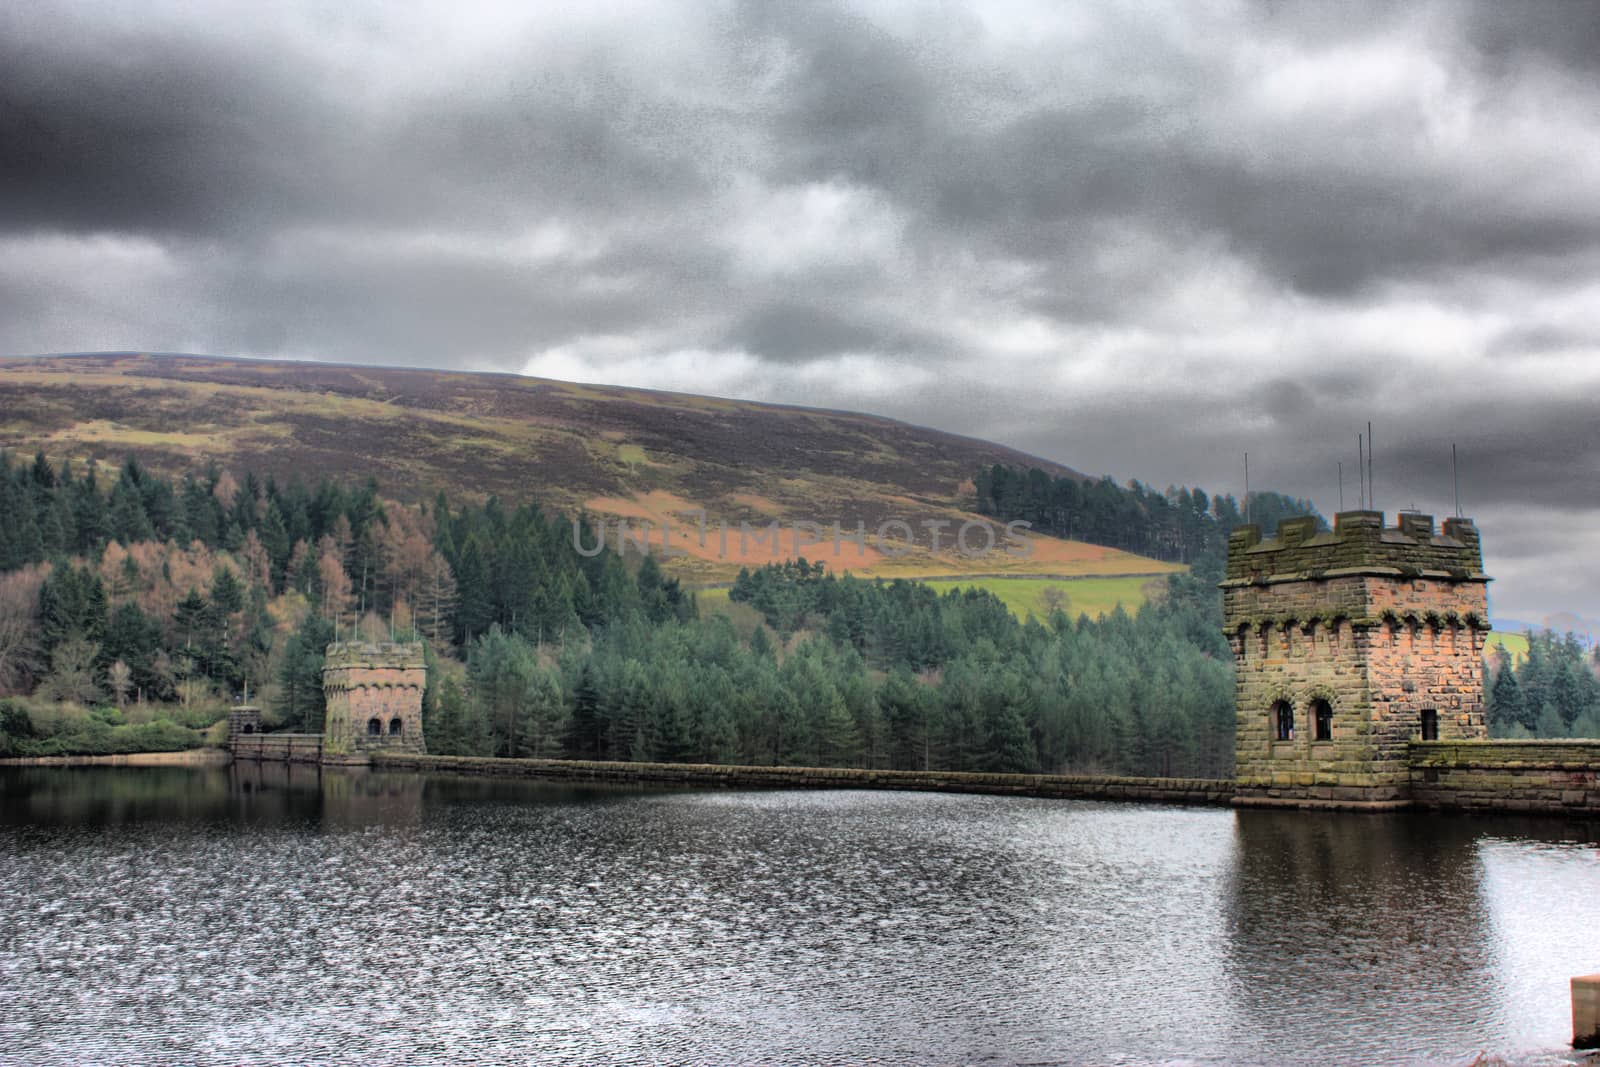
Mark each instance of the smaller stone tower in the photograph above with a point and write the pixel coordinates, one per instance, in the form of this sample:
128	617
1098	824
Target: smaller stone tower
1349	645
243	719
374	697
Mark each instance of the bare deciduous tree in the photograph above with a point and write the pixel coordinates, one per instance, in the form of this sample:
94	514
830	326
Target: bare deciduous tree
72	675
436	601
20	657
120	677
335	583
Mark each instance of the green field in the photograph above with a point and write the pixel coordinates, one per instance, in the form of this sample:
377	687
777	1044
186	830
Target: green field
1515	644
1077	596
1026	596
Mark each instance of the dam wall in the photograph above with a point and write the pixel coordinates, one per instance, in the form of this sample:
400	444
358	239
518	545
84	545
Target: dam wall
277	748
1487	777
1506	776
1090	787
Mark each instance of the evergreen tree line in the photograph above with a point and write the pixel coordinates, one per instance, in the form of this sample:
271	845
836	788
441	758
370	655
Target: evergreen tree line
539	650
1179	525
137	587
143	589
495	587
1552	692
857	673
96	647
521	570
50	513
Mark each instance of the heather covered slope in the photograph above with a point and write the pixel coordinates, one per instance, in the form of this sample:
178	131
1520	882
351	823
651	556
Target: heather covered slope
612	451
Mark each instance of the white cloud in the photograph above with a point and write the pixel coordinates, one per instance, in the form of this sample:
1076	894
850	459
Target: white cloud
819	226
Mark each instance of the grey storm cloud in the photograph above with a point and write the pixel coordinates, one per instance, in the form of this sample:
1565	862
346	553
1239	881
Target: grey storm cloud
1137	240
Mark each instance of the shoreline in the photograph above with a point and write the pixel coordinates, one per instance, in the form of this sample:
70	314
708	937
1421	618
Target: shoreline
189	757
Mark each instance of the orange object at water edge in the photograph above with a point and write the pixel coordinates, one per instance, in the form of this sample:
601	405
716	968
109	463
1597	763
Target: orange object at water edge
1586	1012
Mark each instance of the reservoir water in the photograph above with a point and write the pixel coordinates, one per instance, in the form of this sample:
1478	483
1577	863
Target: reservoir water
268	914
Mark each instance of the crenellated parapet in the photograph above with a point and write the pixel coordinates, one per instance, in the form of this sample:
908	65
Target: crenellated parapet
1360	573
375	655
1358	544
374	695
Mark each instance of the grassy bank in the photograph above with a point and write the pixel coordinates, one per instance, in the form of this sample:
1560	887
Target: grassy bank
194	757
35	728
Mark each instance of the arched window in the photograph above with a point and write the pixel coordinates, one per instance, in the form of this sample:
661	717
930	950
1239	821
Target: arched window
1283	721
374	727
1430	724
1322	720
249	728
395	726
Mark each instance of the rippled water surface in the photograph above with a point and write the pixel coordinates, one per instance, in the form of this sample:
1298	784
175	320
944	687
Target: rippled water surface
264	914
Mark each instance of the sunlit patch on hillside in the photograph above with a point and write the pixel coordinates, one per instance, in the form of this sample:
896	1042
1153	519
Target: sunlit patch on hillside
103	431
1516	645
1041	597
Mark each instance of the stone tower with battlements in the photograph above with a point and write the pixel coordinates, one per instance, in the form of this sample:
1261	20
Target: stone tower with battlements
374	697
1349	645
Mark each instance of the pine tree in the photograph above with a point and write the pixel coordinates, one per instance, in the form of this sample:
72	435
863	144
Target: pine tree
474	601
274	534
20	542
72	604
134	639
585	734
839	745
300	703
1549	723
1507	706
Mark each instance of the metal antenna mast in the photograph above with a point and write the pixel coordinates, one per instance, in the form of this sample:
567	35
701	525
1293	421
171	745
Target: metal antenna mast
1247	487
1455	474
1372	501
1361	470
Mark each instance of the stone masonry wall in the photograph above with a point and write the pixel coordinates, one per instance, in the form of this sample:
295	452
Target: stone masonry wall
1300	665
366	683
278	748
1424	657
243	719
1523	776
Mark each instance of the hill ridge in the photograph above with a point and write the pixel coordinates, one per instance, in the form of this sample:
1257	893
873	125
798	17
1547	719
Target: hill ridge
1021	457
618	451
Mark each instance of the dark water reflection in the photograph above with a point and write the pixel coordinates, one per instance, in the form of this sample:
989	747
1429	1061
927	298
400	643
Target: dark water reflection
269	914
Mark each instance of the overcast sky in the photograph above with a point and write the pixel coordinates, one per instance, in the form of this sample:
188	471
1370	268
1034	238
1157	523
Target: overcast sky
1140	239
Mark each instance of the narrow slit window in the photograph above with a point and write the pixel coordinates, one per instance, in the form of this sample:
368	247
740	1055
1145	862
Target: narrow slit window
1430	724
